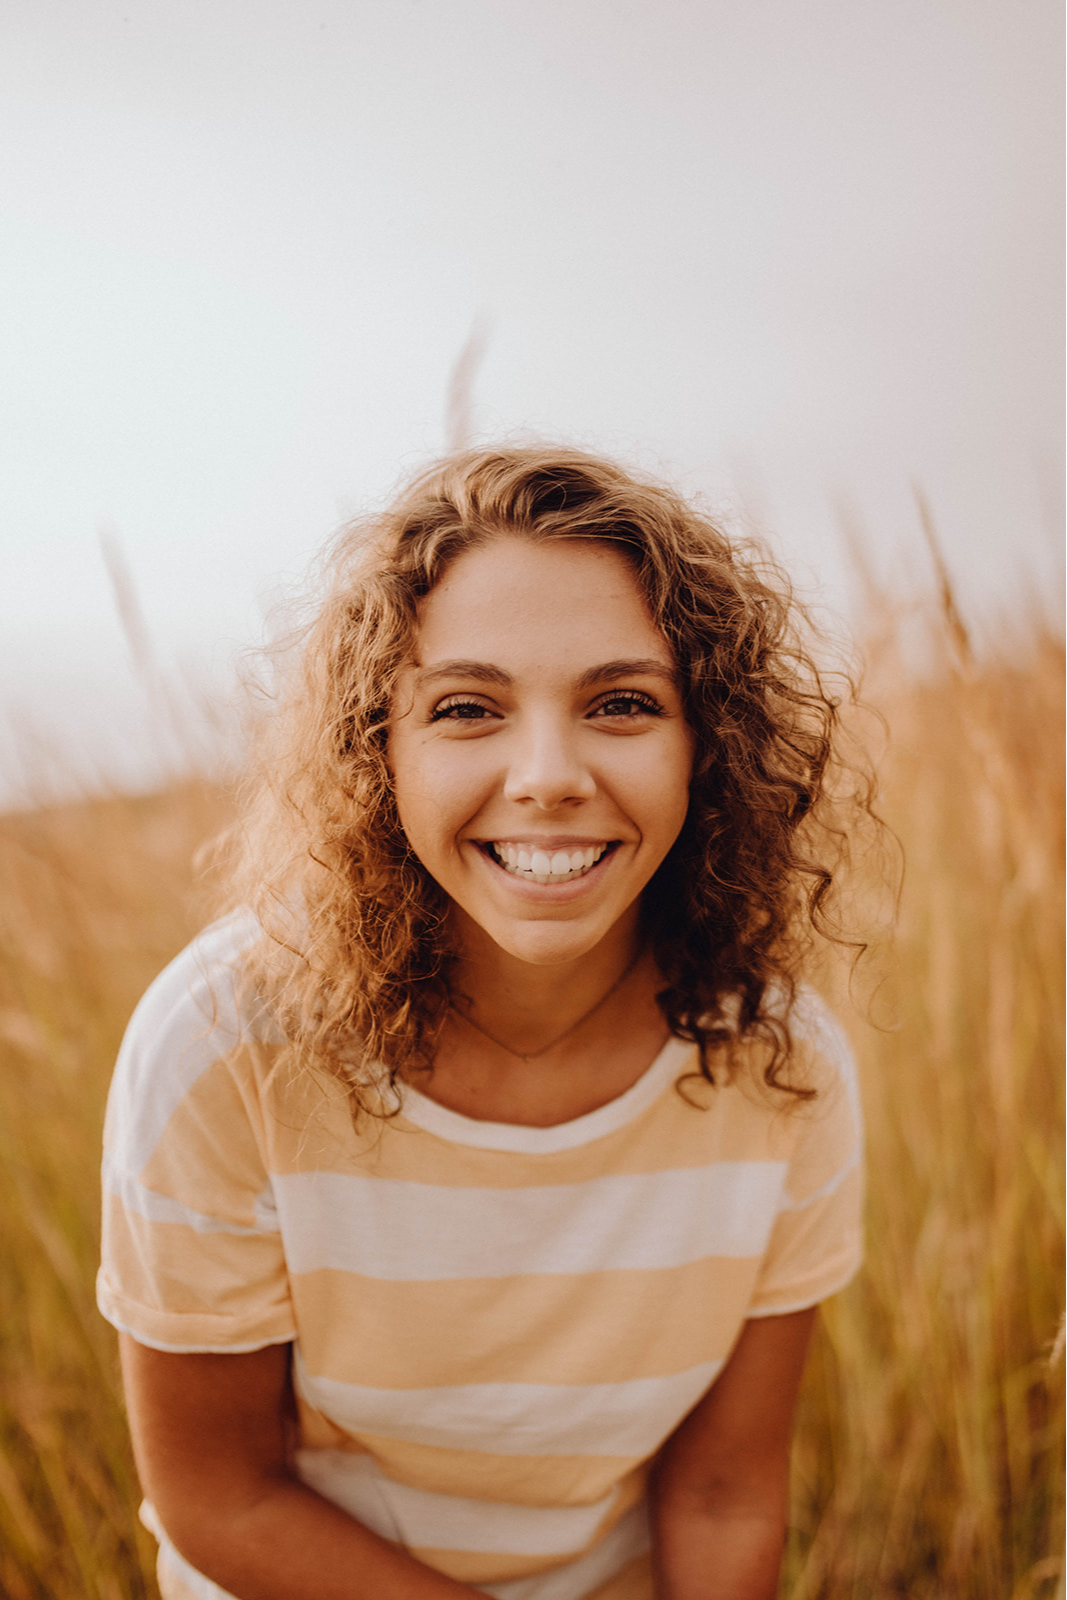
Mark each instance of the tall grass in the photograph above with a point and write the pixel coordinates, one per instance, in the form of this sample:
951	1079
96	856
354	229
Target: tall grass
94	900
930	1450
930	1442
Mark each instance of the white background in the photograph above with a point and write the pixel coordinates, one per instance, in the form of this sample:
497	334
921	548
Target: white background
795	254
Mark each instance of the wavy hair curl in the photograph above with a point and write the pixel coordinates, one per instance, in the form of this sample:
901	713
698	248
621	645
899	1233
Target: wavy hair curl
355	955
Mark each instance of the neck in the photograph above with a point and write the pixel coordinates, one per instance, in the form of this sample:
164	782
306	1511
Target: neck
526	1002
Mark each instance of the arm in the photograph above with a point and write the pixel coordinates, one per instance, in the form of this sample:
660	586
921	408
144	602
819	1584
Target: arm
720	1487
210	1437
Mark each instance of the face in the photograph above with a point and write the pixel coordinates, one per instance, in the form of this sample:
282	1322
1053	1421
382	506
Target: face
538	749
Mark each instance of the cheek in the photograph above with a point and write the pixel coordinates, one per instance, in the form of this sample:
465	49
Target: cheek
673	770
438	789
412	786
670	802
676	806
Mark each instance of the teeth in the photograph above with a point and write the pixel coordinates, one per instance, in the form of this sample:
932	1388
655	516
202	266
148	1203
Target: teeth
539	866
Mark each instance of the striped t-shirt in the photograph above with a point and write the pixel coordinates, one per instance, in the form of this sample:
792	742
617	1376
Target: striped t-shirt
494	1326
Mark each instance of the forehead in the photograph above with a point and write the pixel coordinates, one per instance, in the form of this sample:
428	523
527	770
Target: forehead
547	598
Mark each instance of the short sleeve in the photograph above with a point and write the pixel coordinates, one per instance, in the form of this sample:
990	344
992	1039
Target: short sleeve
816	1243
192	1257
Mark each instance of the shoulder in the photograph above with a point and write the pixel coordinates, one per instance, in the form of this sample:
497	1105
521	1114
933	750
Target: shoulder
822	1047
194	1013
817	1242
819	1064
198	997
827	1129
821	1125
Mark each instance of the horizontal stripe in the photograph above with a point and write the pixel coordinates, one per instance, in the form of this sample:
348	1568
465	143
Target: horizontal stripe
172	1277
137	1197
623	1545
550	1327
480	1474
415	1518
608	1419
381	1228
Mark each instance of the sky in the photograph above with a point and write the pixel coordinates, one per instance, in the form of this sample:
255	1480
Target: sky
794	255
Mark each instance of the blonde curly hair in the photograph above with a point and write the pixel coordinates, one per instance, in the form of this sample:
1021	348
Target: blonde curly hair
355	952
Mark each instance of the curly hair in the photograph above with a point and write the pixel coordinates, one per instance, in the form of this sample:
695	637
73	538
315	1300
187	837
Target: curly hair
355	952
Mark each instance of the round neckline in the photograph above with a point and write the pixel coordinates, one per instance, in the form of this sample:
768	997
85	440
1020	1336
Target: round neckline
419	1110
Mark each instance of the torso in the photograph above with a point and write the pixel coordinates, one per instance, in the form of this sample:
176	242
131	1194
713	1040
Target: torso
508	1320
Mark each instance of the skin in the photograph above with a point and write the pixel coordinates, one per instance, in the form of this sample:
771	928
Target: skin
542	709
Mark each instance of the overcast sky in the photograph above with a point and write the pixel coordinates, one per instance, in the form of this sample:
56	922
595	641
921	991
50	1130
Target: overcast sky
792	253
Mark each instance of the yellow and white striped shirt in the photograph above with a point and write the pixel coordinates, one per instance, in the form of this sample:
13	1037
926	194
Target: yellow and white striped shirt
495	1327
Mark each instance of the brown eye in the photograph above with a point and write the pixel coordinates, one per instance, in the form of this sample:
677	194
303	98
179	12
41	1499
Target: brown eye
459	711
628	703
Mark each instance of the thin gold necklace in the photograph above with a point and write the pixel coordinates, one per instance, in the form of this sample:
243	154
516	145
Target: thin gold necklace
533	1055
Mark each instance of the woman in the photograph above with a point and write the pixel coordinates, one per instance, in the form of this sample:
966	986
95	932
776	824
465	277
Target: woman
469	1193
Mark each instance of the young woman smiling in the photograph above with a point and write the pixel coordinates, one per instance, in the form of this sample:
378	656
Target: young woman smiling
470	1190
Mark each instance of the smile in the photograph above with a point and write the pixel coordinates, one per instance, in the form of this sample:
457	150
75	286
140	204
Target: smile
543	866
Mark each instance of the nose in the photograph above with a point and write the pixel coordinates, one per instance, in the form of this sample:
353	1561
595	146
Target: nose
547	765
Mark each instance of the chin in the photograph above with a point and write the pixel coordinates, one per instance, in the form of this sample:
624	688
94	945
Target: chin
548	943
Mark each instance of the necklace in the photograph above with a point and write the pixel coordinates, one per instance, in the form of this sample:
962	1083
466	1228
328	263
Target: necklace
534	1055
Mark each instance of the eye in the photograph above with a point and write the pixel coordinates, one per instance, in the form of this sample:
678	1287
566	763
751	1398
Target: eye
627	703
459	709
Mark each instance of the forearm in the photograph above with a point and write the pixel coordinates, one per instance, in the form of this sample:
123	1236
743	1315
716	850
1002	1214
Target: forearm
282	1541
720	1486
212	1436
717	1554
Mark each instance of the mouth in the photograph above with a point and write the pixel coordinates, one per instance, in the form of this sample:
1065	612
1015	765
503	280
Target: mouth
546	866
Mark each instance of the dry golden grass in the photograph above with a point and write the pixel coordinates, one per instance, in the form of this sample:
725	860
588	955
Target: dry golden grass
94	900
929	1453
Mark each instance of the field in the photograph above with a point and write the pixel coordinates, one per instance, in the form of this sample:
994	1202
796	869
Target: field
929	1454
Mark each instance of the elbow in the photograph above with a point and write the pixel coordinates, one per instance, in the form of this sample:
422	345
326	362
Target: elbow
213	1525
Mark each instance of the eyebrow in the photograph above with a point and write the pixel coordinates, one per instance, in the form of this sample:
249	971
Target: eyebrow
484	672
481	671
640	667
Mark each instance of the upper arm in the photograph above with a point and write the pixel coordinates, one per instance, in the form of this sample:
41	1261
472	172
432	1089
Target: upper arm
192	1256
734	1445
209	1431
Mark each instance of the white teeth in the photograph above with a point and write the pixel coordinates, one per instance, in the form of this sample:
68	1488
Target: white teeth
539	866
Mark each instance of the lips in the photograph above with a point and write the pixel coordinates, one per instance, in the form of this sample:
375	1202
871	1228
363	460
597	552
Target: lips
536	865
